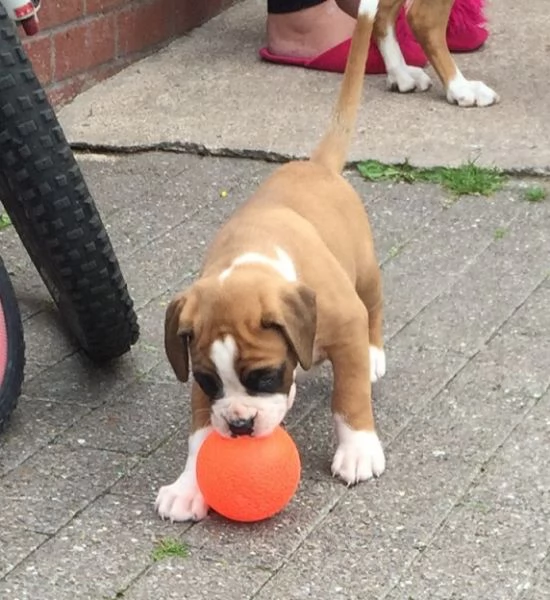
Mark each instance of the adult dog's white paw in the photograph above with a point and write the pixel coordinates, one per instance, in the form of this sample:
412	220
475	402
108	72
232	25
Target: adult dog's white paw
464	92
359	455
408	79
181	501
377	359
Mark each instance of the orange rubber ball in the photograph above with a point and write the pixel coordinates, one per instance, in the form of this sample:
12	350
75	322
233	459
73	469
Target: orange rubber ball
246	478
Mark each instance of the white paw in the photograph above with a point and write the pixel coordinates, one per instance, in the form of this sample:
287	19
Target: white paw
377	361
181	501
470	93
408	79
359	455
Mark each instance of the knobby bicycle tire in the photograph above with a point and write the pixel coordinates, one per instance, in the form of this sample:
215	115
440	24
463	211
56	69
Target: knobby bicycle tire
44	193
13	346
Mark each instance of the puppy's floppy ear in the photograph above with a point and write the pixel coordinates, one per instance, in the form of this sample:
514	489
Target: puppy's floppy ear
296	317
178	327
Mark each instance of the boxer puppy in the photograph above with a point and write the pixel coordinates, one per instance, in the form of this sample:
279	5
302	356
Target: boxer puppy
290	280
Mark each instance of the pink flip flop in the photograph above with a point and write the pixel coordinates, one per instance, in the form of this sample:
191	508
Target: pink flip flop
466	30
333	60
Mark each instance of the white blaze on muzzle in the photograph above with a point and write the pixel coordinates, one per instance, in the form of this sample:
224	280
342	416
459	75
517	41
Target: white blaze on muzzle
266	410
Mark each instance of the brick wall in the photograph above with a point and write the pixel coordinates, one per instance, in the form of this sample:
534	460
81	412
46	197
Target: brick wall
82	42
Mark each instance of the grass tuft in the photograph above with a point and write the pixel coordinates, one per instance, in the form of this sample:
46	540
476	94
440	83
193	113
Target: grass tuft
169	547
5	221
468	179
535	194
500	232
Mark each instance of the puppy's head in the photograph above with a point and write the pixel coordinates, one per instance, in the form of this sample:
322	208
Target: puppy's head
243	338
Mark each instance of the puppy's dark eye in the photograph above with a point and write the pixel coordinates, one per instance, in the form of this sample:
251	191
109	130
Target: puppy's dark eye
210	385
264	381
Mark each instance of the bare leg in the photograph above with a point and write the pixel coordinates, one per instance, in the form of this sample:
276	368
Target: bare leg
310	31
428	20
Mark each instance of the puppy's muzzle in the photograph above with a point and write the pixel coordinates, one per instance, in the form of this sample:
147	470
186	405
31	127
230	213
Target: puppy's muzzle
239	427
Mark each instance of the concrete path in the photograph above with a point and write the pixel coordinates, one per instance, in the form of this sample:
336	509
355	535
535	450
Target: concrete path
463	510
210	91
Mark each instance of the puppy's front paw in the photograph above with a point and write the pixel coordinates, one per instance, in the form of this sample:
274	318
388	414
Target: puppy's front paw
181	501
359	456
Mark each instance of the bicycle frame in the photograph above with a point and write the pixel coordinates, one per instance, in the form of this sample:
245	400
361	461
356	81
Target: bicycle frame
24	12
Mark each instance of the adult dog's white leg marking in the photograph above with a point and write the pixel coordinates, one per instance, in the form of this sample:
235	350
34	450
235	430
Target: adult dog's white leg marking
359	454
182	500
401	76
464	92
377	363
368	7
283	263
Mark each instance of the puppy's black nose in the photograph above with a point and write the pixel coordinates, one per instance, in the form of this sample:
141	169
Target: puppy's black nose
241	426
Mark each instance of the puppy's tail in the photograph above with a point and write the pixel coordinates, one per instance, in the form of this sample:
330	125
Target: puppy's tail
333	149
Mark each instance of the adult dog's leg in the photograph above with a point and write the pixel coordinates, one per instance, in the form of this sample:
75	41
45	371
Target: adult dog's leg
428	20
401	77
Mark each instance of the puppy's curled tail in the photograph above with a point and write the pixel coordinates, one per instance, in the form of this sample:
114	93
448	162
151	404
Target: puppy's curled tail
333	149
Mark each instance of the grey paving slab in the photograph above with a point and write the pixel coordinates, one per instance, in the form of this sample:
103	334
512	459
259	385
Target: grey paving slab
47	341
156	193
34	424
431	464
541	586
491	288
197	94
135	422
163	466
95	556
46	491
76	380
15	546
198	576
438	254
491	542
32	295
415	373
397	212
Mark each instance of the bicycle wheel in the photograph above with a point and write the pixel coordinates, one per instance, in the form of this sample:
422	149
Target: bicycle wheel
44	193
12	348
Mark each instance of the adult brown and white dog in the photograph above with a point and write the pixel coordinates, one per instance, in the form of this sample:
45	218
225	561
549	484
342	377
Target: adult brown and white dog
290	280
428	20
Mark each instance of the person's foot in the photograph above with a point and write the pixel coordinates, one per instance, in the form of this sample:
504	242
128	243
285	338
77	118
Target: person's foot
308	32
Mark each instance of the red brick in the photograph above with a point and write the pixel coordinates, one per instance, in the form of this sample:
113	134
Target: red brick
57	12
61	93
144	25
94	6
84	46
39	50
